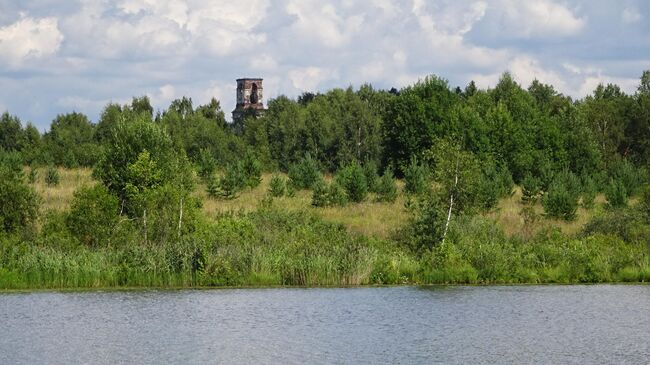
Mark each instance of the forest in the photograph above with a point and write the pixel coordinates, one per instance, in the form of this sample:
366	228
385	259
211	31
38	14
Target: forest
428	184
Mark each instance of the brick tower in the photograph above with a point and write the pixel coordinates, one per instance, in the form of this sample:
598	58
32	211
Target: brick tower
249	98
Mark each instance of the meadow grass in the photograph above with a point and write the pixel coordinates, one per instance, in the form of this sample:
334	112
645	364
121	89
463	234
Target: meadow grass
369	218
58	197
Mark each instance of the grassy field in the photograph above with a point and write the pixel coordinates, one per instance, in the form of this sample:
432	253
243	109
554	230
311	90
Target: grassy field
294	243
369	218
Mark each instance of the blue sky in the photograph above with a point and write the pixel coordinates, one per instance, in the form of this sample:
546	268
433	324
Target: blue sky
58	56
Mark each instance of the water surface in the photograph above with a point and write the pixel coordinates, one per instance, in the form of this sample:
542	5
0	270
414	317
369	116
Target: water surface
409	325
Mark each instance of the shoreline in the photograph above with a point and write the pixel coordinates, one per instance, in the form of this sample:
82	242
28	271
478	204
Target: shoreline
274	287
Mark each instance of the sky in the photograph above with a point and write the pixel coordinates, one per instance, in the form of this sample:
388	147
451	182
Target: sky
58	56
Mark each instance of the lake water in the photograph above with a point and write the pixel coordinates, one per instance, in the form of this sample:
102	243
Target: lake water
607	324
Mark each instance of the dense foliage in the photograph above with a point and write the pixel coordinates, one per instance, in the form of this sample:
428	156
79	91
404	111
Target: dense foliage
458	151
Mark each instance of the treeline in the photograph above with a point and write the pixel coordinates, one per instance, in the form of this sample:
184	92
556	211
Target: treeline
535	131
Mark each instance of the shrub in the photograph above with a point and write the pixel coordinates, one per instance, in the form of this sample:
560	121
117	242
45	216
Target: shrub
386	189
589	191
251	170
277	186
93	214
531	188
644	202
231	183
370	172
616	194
336	194
206	163
630	177
353	179
325	195
561	200
495	183
319	197
416	177
18	201
626	223
33	176
305	174
52	176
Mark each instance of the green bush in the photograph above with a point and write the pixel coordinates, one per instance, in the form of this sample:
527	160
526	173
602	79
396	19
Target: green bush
531	189
140	156
495	183
561	200
630	176
337	195
251	170
33	175
206	163
305	174
589	191
386	189
228	185
93	214
325	195
52	177
353	179
277	186
644	202
319	197
628	224
18	201
372	177
616	194
416	177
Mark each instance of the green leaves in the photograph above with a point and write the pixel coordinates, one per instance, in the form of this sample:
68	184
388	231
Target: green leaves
18	201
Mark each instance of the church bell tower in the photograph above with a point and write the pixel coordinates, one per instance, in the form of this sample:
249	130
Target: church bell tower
249	98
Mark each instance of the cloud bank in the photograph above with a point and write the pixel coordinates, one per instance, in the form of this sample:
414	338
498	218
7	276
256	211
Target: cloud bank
57	56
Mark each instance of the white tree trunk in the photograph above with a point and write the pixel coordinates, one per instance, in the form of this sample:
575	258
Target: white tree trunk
451	201
144	220
180	218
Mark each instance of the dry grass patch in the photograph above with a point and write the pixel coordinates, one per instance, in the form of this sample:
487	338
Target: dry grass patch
59	197
509	217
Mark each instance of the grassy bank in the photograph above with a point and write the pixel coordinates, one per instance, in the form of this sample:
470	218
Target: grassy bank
285	241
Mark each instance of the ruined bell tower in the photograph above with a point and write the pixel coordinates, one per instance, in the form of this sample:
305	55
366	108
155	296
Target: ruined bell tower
249	98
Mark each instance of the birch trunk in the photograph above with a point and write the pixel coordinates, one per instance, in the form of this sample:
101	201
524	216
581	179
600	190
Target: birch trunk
451	201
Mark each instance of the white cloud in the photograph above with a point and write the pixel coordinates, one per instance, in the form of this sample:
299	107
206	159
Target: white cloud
526	69
308	78
224	28
163	96
591	82
631	16
263	62
82	104
323	23
29	38
448	45
175	10
536	19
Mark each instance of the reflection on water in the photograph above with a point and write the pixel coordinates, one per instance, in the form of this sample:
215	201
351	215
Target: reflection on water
513	324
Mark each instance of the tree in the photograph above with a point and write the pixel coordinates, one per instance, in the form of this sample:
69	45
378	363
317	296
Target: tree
70	141
11	133
414	119
140	156
93	214
457	172
353	179
18	201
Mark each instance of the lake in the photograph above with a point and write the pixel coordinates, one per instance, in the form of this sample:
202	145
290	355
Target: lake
607	324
